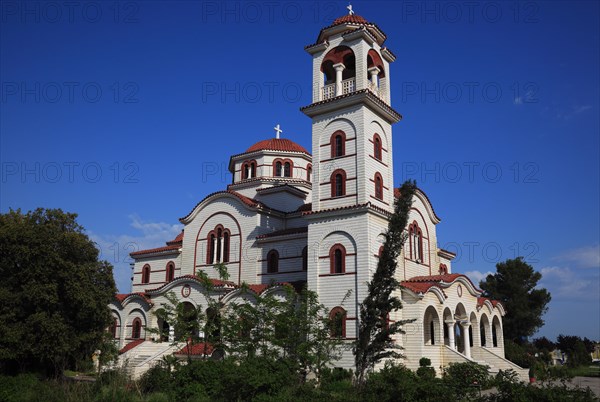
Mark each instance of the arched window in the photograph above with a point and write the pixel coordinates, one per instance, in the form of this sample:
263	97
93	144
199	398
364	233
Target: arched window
377	148
337	259
217	249
416	242
212	328
113	328
249	170
272	262
305	258
494	336
146	274
287	169
432	332
170	271
378	186
278	169
337	318
338	183
338	144
136	328
309	172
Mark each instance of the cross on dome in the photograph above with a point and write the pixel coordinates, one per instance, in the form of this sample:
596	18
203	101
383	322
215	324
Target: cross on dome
278	131
350	10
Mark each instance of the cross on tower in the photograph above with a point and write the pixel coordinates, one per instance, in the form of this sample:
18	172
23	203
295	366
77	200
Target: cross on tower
278	131
350	10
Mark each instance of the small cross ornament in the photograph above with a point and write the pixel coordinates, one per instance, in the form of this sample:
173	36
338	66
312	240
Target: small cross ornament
350	10
278	131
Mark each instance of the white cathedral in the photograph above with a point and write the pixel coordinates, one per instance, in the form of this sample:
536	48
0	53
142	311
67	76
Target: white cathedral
291	216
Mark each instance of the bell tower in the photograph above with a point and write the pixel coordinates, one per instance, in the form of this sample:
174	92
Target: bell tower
353	184
352	116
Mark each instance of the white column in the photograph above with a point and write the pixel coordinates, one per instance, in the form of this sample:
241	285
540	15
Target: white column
222	248
466	344
215	250
339	68
373	72
450	325
171	333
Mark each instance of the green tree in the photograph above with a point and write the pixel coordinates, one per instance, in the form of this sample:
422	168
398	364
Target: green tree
575	349
189	323
375	341
514	284
54	292
295	329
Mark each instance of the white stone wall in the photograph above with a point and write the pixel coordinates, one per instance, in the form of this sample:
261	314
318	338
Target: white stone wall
158	271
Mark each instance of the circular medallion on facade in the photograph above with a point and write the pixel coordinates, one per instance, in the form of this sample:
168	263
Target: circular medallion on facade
459	290
186	290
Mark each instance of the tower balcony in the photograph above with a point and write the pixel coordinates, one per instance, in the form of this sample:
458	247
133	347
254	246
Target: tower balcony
348	86
330	91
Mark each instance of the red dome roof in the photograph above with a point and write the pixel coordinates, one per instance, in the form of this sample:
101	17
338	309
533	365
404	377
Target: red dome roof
277	144
350	19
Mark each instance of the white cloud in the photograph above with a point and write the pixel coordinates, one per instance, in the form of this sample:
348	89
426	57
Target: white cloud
573	111
478	276
583	257
563	282
116	248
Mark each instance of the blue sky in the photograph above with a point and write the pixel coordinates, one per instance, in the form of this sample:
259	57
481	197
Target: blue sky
127	113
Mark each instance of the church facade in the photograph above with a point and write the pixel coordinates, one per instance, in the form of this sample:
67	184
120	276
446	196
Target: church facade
316	218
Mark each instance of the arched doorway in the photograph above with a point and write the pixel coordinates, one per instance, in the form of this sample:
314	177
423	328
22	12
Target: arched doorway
484	331
431	327
461	334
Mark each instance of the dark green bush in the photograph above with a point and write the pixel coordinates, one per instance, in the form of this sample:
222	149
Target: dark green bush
424	362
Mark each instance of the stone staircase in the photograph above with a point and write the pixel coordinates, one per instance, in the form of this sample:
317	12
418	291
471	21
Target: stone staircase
496	363
485	357
139	359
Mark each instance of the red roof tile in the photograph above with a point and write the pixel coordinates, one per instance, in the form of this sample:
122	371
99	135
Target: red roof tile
122	296
434	279
197	349
350	19
216	282
305	207
419	287
177	240
283	232
173	248
277	144
246	200
481	300
130	346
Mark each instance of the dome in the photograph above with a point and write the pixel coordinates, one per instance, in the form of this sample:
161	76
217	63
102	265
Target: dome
277	144
350	19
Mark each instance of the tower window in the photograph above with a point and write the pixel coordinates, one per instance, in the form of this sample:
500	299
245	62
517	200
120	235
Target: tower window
337	319
217	248
338	144
278	169
378	186
146	274
309	172
377	147
338	183
287	169
272	262
337	259
170	272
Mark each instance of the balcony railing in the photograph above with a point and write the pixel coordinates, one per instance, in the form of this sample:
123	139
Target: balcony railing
348	86
328	91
